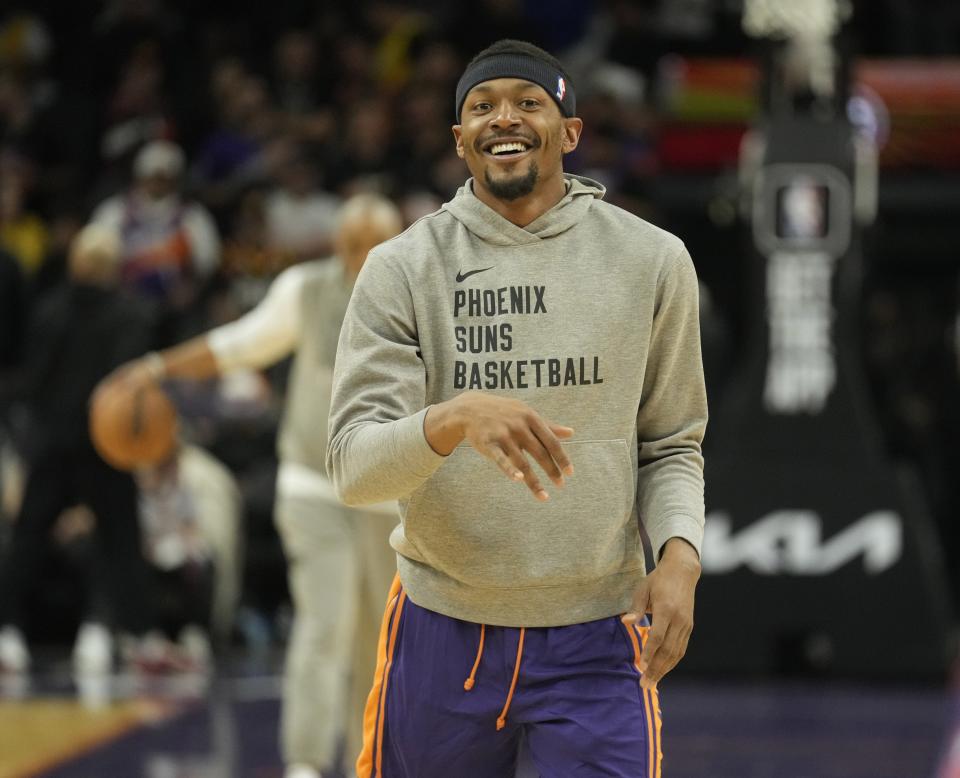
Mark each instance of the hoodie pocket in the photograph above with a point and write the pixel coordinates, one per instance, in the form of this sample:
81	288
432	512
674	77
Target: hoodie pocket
474	525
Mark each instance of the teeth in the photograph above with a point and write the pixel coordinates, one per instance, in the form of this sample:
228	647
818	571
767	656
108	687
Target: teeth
501	148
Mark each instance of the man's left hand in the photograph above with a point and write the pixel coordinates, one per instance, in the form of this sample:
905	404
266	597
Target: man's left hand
667	595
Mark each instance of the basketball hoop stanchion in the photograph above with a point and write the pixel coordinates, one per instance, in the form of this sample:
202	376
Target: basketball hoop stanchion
817	547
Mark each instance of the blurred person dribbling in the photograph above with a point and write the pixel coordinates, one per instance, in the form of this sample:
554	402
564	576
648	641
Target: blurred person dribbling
340	561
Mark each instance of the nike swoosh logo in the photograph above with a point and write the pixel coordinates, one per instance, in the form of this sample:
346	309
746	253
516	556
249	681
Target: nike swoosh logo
461	276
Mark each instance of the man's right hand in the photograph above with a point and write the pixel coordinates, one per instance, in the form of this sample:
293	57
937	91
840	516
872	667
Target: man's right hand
505	431
135	373
192	360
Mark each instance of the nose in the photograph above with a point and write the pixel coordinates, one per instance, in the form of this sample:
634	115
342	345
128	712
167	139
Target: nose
506	116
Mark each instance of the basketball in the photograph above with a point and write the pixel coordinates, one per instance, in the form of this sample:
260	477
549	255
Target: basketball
132	426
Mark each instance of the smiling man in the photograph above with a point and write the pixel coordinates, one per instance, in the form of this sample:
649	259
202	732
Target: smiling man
525	329
517	163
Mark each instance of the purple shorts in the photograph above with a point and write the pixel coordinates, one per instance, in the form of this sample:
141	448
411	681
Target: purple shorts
453	698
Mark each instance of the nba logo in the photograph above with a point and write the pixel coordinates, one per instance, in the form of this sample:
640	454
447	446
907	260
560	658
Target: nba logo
561	88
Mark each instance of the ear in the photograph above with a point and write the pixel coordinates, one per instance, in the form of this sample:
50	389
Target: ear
571	134
458	137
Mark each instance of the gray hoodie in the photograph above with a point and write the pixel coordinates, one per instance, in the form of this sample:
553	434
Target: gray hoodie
589	315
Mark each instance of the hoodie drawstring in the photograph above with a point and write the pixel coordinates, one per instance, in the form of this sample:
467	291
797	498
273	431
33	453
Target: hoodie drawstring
471	680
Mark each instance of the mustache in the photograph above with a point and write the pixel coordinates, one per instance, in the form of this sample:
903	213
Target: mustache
479	143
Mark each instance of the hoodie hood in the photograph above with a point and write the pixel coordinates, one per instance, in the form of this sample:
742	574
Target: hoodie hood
490	226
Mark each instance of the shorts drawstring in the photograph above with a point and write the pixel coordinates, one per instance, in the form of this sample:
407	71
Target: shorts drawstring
471	679
502	719
468	684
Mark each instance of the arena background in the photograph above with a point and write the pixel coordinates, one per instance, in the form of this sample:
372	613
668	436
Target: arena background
826	617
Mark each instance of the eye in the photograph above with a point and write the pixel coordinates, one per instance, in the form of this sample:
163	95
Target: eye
529	103
481	106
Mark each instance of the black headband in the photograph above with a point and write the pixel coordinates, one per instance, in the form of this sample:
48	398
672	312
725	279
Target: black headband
519	66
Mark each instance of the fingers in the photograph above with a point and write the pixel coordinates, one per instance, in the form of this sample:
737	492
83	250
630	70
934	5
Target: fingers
662	651
131	374
537	448
500	458
528	476
547	435
667	594
512	462
512	434
537	438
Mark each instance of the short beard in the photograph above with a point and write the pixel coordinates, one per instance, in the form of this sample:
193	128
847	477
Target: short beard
513	188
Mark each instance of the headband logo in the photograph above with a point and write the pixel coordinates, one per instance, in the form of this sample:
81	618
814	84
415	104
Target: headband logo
561	87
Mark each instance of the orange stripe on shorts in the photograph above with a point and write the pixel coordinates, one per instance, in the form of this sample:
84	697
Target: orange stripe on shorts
655	724
365	762
638	636
658	725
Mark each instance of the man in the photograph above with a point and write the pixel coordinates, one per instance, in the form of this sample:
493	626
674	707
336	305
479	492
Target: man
78	334
340	561
170	245
524	305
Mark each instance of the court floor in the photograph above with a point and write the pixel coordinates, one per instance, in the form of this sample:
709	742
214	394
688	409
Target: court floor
225	727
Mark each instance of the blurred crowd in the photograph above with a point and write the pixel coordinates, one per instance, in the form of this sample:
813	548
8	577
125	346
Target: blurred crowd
219	145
